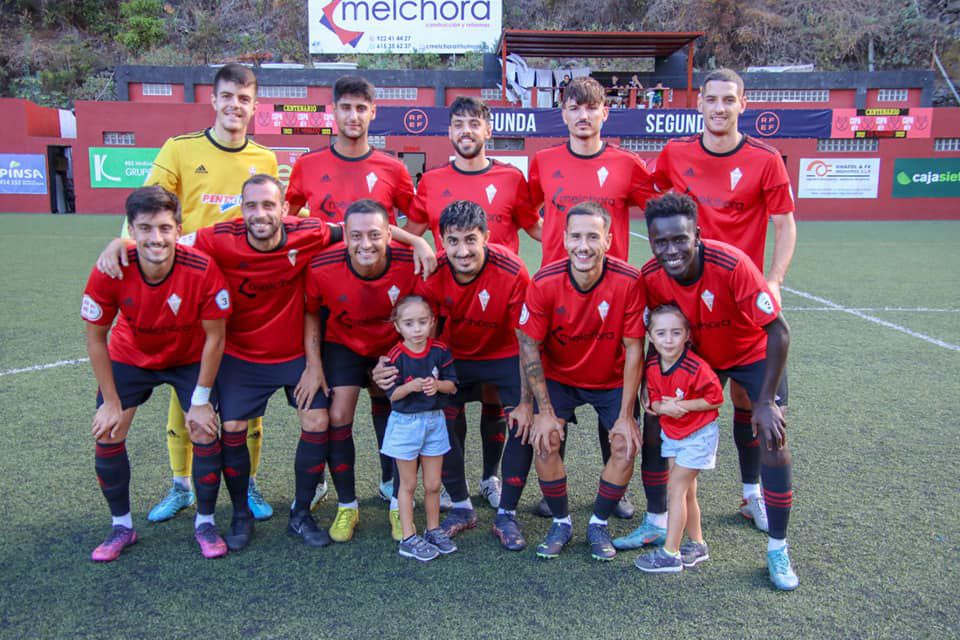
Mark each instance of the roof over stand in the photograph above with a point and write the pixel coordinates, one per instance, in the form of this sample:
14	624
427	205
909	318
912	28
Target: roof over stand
596	44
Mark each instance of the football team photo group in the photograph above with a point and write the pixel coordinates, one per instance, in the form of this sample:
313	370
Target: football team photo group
329	288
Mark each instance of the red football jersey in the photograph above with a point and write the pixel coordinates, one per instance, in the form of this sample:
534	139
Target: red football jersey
328	183
614	178
582	332
267	286
481	316
159	325
690	378
500	189
736	192
360	307
727	307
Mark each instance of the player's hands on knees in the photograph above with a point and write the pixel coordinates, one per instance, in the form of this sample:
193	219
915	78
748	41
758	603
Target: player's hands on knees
522	418
113	257
769	423
424	258
626	428
383	375
544	426
201	419
106	420
311	380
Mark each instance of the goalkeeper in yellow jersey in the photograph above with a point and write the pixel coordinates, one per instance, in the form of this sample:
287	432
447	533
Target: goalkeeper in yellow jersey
205	170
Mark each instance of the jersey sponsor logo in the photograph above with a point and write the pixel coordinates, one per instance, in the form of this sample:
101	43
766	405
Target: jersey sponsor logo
735	176
764	303
712	324
250	289
174	303
603	308
707	297
491	193
222	200
371	181
292	257
223	299
560	202
484	297
564	338
188	240
201	169
90	310
713	202
394	293
602	174
524	314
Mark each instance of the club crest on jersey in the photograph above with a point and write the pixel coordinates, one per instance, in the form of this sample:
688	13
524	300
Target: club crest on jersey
646	316
435	373
602	174
764	303
707	297
371	181
292	257
491	193
223	299
678	393
603	308
484	297
394	293
253	170
174	302
735	176
90	310
524	314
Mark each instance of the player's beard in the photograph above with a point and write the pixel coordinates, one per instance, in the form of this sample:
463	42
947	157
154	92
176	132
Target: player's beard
478	146
269	230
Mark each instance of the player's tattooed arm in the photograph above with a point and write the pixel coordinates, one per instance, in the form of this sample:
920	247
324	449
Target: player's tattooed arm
313	378
521	417
768	420
531	367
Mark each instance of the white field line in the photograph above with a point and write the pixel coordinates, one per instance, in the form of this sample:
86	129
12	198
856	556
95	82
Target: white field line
42	367
830	305
875	309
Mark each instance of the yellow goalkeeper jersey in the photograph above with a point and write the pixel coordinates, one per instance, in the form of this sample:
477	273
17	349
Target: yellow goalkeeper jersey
207	176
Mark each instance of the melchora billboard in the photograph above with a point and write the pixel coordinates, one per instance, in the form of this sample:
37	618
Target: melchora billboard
926	178
404	26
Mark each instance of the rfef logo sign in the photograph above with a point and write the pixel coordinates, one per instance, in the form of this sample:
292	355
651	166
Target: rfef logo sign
120	168
403	26
23	174
926	178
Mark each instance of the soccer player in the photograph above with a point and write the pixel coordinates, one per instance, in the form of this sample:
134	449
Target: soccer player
739	184
586	168
172	309
501	190
328	180
358	284
271	343
479	288
205	170
739	331
581	342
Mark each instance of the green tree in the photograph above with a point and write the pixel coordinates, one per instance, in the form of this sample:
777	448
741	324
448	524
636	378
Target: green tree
141	24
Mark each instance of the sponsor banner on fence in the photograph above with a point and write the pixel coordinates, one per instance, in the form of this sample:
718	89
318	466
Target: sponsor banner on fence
926	178
23	174
120	167
286	157
290	119
838	177
403	26
882	122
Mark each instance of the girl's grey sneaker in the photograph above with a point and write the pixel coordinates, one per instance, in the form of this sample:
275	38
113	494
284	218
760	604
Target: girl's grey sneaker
659	561
439	538
419	549
693	553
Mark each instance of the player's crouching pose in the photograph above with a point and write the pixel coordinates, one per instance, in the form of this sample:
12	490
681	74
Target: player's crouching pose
173	306
581	342
416	429
685	392
739	331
